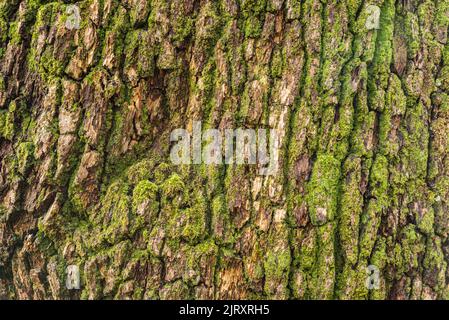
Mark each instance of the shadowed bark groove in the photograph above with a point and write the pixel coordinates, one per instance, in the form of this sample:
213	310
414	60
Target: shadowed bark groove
86	177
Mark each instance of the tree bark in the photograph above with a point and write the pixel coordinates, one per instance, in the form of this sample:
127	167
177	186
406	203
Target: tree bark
86	178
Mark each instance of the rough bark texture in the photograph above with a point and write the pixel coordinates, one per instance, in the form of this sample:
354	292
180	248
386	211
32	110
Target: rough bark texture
86	178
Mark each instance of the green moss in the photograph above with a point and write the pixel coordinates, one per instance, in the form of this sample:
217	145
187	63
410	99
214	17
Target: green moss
307	251
253	7
23	20
206	86
254	263
14	33
209	33
387	173
25	156
3	30
177	290
322	285
277	64
157	6
380	257
411	25
146	192
199	258
353	6
434	264
351	206
207	247
441	16
162	172
379	180
117	30
395	98
221	222
426	222
189	224
140	53
380	67
443	79
370	221
31	9
172	186
139	13
115	213
353	283
253	13
253	27
143	170
276	264
415	136
183	28
411	247
322	189
45	62
294	9
7	118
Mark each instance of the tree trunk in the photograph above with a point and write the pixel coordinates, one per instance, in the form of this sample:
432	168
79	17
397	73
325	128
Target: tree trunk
86	179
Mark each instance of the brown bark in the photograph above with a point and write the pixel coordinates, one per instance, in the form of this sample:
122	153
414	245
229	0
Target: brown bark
85	171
